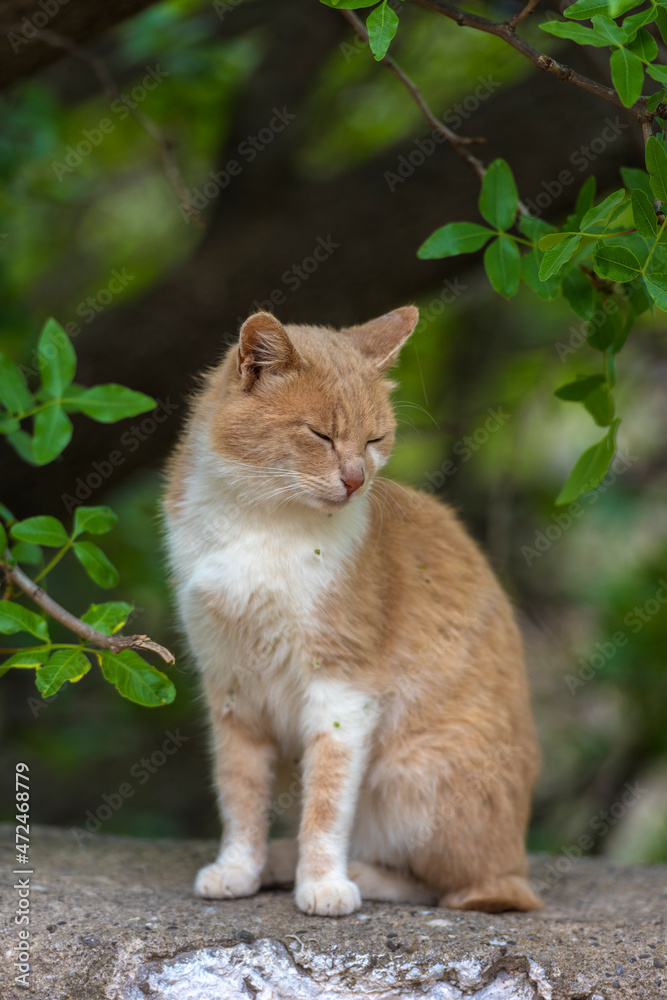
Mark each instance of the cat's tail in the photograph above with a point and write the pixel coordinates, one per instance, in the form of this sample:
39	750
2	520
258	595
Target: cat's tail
507	892
374	882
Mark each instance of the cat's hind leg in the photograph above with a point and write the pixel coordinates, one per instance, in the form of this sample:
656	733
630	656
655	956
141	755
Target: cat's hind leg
373	881
389	886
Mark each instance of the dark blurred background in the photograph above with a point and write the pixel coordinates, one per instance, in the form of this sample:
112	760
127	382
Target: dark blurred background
478	419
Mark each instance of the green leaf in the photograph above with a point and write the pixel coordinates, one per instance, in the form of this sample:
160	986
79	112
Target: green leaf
636	180
585	9
16	618
578	291
53	431
575	32
3	541
453	239
634	22
655	99
96	520
600	405
42	530
96	564
553	239
26	552
556	257
656	164
618	7
381	26
8	424
577	391
109	617
56	358
661	21
585	200
108	403
534	228
530	274
136	679
616	262
21	442
627	75
23	661
657	72
590	468
14	393
600	213
64	665
643	214
609	30
644	46
348	4
637	297
656	286
499	199
503	265
608	325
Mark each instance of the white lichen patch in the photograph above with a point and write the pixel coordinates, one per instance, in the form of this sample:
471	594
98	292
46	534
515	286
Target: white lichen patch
267	970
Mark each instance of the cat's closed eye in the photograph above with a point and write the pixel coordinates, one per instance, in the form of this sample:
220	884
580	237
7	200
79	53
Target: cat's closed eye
376	440
319	434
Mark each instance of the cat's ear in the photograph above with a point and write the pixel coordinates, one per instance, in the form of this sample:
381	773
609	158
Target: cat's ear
381	339
264	349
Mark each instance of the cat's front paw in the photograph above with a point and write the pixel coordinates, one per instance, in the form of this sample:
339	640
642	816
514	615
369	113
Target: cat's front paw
333	897
222	880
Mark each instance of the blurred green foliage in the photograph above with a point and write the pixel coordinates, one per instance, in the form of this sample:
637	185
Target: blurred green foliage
63	239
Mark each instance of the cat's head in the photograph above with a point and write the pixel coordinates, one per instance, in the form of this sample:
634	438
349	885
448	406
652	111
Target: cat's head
303	413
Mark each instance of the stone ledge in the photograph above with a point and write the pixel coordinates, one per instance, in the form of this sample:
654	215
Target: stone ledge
116	920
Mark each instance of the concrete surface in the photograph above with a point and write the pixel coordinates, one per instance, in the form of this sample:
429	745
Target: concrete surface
115	919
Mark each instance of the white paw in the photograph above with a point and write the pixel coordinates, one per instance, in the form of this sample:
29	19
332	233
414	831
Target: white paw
224	881
332	897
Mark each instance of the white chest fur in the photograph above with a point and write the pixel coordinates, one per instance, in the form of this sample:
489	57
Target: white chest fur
252	592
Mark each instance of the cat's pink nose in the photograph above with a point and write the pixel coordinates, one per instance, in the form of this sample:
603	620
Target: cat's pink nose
352	480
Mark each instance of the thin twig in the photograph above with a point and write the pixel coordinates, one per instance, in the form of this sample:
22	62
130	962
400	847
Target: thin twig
458	142
114	643
504	30
526	12
110	88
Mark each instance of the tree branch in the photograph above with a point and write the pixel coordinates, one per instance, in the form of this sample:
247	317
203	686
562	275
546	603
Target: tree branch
526	12
505	30
458	142
114	643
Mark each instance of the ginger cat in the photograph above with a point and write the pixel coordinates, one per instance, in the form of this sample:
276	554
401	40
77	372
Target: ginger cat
351	624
